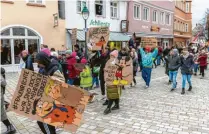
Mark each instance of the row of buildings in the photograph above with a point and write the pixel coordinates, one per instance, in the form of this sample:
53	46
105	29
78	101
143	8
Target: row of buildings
27	24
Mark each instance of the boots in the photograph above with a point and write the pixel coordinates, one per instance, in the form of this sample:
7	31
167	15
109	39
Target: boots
116	107
190	88
183	91
107	111
10	130
105	103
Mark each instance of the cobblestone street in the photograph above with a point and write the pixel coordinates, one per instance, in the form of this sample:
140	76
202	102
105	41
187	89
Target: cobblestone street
143	111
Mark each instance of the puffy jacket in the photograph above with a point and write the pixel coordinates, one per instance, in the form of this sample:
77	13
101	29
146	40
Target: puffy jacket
86	78
147	57
113	92
174	62
187	65
202	60
72	72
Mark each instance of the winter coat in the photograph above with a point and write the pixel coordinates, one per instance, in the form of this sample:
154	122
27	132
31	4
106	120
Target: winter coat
120	54
55	59
28	62
135	64
174	62
139	56
187	65
113	92
102	61
72	72
202	60
86	78
147	58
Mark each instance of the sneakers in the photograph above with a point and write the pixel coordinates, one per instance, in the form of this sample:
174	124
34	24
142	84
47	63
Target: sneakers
116	107
172	89
146	87
183	91
107	111
169	82
10	130
190	88
195	74
105	103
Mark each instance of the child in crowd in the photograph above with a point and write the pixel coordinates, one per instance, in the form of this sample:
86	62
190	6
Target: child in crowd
95	74
85	76
72	72
196	64
202	59
113	91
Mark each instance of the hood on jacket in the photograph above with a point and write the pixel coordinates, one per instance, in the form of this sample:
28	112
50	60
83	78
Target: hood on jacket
175	52
43	58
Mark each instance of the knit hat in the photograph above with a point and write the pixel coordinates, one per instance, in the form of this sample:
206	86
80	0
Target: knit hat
68	52
84	61
114	53
46	51
74	54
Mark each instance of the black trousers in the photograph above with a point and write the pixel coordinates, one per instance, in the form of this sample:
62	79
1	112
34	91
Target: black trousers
134	74
46	128
110	102
202	70
102	84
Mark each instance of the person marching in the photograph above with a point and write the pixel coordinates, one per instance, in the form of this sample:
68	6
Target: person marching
187	63
135	67
147	63
174	63
113	91
202	59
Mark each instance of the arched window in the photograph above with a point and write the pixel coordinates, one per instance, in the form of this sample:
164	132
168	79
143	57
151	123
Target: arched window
14	40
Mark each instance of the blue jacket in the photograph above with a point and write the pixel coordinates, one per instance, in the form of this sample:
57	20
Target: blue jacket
147	58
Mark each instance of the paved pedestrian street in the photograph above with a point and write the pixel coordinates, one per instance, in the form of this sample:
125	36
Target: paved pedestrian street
142	111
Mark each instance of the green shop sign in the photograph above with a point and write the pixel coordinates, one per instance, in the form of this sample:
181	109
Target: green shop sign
99	23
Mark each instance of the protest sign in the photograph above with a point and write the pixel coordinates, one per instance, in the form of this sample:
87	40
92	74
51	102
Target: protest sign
97	38
49	100
74	37
150	41
119	71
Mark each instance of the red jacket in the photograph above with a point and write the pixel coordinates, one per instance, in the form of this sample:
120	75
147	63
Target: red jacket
202	60
160	51
71	61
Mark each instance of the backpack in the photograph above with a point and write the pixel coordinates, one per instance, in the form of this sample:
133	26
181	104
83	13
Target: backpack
96	70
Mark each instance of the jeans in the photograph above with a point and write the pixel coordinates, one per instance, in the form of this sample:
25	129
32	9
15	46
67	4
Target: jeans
172	77
146	75
184	78
196	67
158	60
70	81
95	80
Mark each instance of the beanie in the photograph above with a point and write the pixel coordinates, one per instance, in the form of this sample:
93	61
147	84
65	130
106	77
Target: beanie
114	53
68	52
83	61
46	51
74	54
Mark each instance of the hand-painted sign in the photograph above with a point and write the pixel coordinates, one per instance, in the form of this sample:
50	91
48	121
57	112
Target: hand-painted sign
150	41
49	100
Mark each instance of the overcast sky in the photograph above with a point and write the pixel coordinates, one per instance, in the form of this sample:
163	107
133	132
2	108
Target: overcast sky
198	9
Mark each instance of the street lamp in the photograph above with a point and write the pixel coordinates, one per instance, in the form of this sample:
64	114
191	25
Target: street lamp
85	14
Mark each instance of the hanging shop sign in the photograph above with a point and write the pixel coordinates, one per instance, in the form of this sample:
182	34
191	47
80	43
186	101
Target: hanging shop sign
99	23
155	29
124	26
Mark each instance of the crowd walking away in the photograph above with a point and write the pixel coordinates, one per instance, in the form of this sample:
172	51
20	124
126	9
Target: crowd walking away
90	75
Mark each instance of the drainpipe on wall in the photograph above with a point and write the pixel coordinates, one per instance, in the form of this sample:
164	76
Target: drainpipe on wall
127	13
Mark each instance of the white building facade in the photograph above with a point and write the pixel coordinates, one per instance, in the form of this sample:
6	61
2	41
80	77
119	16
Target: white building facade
101	13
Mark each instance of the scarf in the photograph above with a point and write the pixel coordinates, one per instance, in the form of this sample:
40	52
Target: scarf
186	55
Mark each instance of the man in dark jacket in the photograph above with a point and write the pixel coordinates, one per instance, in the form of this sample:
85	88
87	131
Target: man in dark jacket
49	68
174	63
187	64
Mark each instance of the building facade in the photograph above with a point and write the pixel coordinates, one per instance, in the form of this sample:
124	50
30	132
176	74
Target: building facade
101	13
25	25
151	19
182	22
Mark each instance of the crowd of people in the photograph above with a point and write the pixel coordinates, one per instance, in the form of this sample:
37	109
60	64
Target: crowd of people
62	66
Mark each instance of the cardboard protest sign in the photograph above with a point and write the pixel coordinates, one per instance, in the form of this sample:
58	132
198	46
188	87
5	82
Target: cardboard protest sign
79	66
119	71
97	38
150	41
49	100
74	37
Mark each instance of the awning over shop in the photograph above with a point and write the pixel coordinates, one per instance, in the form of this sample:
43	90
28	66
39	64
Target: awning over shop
114	36
152	35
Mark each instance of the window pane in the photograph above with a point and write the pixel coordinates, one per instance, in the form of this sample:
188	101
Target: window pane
135	11
31	1
19	46
6	32
99	9
30	33
111	9
33	47
115	12
83	4
39	1
6	57
18	31
78	6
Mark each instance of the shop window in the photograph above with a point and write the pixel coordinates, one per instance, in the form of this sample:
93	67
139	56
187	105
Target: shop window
61	9
18	31
80	5
99	7
137	11
154	16
6	32
146	14
114	9
162	17
36	1
167	19
33	47
6	57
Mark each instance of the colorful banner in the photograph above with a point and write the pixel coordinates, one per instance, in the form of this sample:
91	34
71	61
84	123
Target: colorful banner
49	100
119	71
97	38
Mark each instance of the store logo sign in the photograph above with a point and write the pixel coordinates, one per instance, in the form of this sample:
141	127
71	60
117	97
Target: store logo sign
99	23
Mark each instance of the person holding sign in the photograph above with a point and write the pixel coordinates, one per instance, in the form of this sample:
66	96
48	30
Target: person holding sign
147	63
